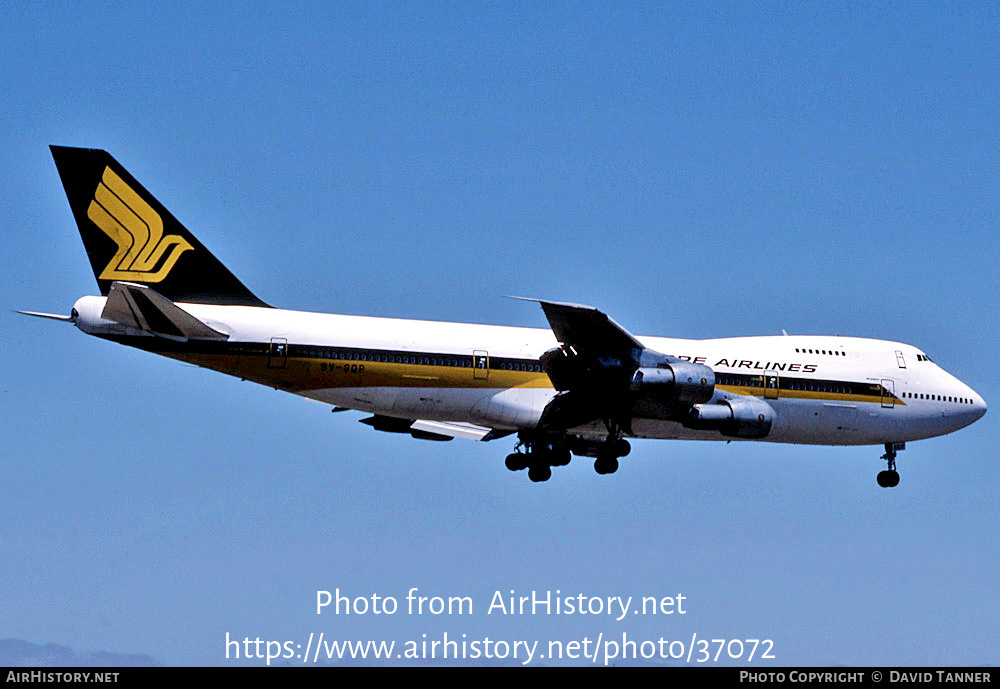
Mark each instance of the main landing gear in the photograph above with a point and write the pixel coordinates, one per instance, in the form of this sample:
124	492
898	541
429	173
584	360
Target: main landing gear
890	477
610	450
539	453
609	453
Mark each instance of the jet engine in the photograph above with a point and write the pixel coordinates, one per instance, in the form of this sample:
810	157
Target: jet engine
673	380
739	417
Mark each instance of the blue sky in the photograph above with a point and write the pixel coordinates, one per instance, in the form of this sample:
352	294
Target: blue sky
694	172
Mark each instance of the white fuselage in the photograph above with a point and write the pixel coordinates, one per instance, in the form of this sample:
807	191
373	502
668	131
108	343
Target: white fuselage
820	387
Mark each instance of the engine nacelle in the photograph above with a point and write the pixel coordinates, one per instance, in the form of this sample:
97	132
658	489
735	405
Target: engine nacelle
675	381
738	417
659	379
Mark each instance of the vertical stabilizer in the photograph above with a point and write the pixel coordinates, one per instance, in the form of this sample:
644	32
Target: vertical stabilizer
130	237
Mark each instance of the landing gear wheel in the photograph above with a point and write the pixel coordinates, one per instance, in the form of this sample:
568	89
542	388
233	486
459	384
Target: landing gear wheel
516	461
560	457
622	448
540	472
606	465
538	452
888	479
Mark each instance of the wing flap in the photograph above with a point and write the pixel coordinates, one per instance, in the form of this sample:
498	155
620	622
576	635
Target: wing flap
423	429
451	429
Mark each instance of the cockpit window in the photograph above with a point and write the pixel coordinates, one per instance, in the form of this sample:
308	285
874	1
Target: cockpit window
923	357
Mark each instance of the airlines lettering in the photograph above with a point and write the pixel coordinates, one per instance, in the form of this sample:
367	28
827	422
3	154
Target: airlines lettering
754	365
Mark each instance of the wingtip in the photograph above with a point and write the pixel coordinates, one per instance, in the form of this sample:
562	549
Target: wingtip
557	304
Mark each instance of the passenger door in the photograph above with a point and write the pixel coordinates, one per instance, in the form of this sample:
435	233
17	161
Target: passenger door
480	364
277	353
888	393
771	385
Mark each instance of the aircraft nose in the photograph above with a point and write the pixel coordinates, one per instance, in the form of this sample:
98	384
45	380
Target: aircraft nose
979	406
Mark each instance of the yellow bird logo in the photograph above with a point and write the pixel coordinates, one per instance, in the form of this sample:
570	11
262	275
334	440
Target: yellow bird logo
137	230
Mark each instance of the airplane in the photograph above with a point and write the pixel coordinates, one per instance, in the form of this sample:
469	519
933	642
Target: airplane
579	388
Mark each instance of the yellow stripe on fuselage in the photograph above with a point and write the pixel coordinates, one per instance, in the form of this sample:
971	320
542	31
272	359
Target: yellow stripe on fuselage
309	373
328	373
808	395
306	373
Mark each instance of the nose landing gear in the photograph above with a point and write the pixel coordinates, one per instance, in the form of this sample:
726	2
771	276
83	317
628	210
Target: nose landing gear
890	477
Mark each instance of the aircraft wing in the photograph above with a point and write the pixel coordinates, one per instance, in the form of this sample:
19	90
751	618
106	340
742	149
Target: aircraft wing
587	330
602	372
591	368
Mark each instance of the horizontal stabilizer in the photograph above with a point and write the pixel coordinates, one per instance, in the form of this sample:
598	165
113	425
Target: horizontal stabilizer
140	307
